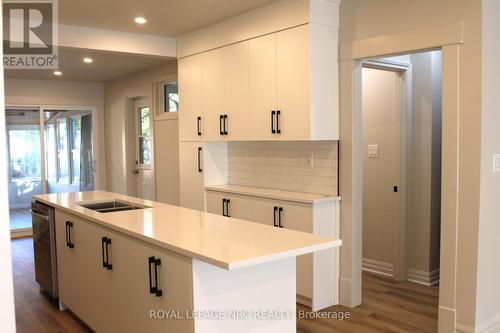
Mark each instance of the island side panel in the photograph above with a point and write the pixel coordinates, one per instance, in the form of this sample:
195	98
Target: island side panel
262	289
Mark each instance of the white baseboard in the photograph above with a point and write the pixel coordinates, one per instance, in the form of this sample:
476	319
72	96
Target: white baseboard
378	267
422	277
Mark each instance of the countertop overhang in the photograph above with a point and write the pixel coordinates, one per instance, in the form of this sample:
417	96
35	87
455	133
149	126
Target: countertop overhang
225	242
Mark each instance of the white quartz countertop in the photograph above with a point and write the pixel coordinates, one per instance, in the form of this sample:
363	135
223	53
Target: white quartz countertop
222	241
308	198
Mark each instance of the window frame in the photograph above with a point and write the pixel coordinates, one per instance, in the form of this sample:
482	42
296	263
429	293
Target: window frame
137	124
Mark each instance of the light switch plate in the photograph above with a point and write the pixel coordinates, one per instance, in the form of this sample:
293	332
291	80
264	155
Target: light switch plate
496	163
373	151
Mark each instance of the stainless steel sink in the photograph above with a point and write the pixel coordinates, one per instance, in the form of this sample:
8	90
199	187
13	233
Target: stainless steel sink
111	206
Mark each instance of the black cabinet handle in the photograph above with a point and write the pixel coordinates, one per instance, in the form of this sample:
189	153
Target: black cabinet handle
226	125
221	120
69	244
158	292
274	216
103	245
199	160
152	289
224	207
198	125
278	126
273	113
105	241
227	207
280	215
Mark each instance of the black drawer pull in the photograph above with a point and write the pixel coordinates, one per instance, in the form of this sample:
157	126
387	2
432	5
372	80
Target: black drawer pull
227	207
199	160
223	207
226	125
221	120
103	245
273	113
152	289
278	125
198	125
280	215
158	292
274	216
69	226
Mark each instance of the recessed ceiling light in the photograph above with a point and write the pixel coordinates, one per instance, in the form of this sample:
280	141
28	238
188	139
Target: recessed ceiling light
140	20
57	73
88	60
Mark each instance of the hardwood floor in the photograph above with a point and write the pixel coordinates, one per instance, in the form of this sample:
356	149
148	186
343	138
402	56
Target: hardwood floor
20	219
387	306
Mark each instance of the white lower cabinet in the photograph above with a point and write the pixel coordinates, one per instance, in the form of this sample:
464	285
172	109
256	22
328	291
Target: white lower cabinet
115	283
317	273
191	175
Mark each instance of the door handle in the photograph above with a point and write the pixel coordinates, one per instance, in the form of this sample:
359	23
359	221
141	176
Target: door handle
278	125
273	113
221	120
198	125
69	226
280	215
226	125
199	160
274	216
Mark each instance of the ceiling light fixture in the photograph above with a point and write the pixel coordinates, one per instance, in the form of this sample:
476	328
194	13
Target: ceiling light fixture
140	20
88	60
57	73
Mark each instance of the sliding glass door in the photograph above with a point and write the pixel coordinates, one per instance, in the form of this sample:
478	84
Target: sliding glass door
52	158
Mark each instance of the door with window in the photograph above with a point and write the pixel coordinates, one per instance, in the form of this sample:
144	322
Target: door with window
143	122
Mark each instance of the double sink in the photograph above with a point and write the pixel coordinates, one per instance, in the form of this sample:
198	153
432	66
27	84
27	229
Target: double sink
111	206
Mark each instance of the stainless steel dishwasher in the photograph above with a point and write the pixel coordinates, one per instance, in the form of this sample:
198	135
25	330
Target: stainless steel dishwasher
44	246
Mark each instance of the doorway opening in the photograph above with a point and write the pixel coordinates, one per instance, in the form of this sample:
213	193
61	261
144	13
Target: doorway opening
401	127
49	151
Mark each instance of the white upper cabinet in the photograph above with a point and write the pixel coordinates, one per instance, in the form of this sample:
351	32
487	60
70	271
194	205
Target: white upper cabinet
213	95
262	85
274	84
190	99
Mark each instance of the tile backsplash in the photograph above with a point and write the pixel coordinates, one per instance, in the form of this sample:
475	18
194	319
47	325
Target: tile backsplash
299	166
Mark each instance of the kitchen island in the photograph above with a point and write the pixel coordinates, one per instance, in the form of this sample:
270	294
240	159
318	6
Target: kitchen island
164	268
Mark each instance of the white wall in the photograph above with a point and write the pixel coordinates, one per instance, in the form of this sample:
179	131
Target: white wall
117	96
64	94
488	270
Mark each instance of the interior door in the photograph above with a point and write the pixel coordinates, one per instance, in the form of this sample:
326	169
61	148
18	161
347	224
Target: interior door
262	86
143	123
380	165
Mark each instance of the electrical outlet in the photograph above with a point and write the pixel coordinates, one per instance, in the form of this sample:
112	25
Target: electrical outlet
373	151
306	159
496	163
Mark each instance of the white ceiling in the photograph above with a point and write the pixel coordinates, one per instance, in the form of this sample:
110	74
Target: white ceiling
106	66
169	18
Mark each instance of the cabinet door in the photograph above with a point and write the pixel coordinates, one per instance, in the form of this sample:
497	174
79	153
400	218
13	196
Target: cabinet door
293	91
190	99
262	86
296	216
236	76
131	288
81	279
191	178
213	93
175	282
263	211
214	202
